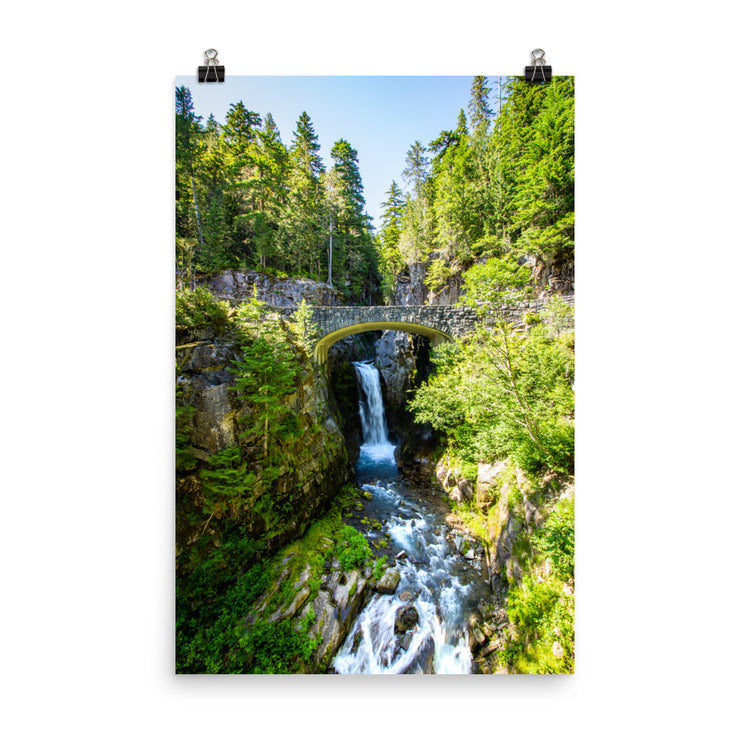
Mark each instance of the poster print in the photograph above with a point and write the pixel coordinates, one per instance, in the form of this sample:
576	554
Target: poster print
374	375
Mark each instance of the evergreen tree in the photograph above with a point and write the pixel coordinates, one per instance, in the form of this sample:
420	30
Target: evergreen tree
545	199
415	172
305	146
394	208
305	220
187	147
536	143
345	164
265	376
391	261
454	207
212	176
239	132
269	165
353	226
480	112
334	199
461	129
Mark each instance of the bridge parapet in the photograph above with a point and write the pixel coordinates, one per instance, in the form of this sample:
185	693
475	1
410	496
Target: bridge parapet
437	322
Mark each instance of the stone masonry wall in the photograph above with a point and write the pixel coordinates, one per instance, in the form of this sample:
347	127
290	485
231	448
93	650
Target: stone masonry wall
456	322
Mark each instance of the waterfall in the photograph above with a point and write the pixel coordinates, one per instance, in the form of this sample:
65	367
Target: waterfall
437	584
371	410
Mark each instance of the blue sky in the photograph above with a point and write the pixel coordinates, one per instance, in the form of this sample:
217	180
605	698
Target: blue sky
380	116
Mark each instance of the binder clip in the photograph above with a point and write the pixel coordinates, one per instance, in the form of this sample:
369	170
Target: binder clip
211	72
538	72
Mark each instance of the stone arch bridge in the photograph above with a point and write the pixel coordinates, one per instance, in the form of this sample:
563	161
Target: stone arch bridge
438	323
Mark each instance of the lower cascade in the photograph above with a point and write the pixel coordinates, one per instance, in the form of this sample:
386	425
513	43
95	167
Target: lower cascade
419	625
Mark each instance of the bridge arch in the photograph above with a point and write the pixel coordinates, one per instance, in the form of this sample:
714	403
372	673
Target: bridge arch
320	350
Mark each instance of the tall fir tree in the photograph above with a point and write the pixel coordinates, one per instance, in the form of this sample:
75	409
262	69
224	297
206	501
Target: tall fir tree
354	229
416	170
304	221
480	111
187	151
305	146
391	261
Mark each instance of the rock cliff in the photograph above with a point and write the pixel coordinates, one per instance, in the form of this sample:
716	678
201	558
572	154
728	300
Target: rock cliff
213	419
268	288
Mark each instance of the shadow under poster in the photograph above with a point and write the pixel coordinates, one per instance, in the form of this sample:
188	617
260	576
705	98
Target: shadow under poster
374	375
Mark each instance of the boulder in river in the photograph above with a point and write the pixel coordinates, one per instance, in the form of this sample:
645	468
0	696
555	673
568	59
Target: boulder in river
335	608
405	641
388	581
406	618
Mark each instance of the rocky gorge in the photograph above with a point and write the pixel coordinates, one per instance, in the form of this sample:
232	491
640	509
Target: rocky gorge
311	564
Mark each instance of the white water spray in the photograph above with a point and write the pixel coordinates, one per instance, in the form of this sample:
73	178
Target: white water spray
433	573
371	411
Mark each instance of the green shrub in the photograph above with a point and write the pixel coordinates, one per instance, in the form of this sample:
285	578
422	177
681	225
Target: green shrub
185	460
544	617
557	539
198	308
274	648
352	548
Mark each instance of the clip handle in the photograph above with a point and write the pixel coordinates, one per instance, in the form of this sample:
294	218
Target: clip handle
211	72
539	72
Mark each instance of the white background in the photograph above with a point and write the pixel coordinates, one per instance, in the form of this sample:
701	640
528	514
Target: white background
87	276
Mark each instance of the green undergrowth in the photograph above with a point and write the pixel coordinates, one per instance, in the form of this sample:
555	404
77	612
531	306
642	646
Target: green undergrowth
541	607
544	617
540	639
218	601
198	308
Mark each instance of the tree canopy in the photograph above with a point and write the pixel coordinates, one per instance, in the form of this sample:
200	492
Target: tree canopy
247	201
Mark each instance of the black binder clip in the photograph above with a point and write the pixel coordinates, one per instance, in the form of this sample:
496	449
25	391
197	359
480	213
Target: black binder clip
211	72
538	72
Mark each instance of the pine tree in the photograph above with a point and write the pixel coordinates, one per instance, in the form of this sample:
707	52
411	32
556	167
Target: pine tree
239	132
265	376
394	208
304	220
269	166
212	179
417	163
334	201
187	148
480	112
461	128
537	168
391	261
305	146
353	225
346	165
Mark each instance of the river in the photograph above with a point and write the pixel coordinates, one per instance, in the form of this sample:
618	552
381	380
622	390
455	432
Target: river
439	587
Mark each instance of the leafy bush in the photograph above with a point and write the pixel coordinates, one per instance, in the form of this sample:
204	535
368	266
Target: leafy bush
226	480
185	460
438	275
275	648
557	539
544	618
198	308
497	281
352	548
305	331
504	394
216	590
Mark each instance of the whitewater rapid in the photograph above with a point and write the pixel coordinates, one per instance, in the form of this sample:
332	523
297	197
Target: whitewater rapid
436	580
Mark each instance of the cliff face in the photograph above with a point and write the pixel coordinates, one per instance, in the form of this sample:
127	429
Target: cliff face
212	422
268	288
505	512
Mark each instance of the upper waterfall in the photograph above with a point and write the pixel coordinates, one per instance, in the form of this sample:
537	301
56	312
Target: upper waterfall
371	409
